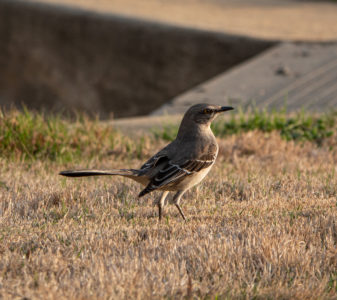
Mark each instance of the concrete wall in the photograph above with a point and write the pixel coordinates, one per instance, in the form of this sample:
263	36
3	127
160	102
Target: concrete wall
61	59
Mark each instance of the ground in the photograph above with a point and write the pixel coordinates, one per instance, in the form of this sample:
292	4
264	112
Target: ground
263	224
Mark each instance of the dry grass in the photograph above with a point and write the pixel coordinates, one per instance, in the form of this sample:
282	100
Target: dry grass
262	225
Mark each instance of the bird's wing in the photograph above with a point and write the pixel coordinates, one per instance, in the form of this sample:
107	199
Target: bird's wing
154	161
173	172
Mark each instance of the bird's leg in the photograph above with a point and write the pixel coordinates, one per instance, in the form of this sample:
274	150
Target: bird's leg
181	212
161	203
176	201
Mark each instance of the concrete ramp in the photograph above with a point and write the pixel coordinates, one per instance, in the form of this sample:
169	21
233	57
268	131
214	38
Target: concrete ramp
297	75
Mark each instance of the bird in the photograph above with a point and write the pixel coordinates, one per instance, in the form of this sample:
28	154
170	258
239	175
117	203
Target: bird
180	165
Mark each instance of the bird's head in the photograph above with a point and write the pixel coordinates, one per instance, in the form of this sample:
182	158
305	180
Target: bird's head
205	113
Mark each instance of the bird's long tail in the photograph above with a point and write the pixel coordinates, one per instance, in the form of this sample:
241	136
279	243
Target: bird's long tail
91	172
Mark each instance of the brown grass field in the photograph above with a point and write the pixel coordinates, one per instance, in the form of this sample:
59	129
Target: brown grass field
262	225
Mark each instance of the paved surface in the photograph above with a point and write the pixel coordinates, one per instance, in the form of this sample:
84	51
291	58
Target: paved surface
267	19
148	124
298	75
59	59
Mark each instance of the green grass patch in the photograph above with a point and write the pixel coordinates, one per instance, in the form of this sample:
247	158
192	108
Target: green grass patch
28	135
302	126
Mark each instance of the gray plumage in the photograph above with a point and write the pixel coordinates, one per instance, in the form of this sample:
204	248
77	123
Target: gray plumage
181	164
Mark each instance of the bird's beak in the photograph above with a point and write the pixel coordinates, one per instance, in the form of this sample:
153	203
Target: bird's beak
224	108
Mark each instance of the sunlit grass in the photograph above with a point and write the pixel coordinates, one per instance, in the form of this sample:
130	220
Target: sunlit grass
302	126
262	225
26	135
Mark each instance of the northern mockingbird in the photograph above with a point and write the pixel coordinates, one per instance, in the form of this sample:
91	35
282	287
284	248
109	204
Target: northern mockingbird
181	164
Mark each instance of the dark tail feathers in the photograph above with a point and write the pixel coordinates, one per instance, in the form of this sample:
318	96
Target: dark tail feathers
83	173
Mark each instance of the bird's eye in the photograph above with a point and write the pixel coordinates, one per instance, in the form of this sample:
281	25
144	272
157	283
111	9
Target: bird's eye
207	111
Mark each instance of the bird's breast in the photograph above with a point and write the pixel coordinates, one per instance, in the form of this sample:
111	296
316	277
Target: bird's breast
193	179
